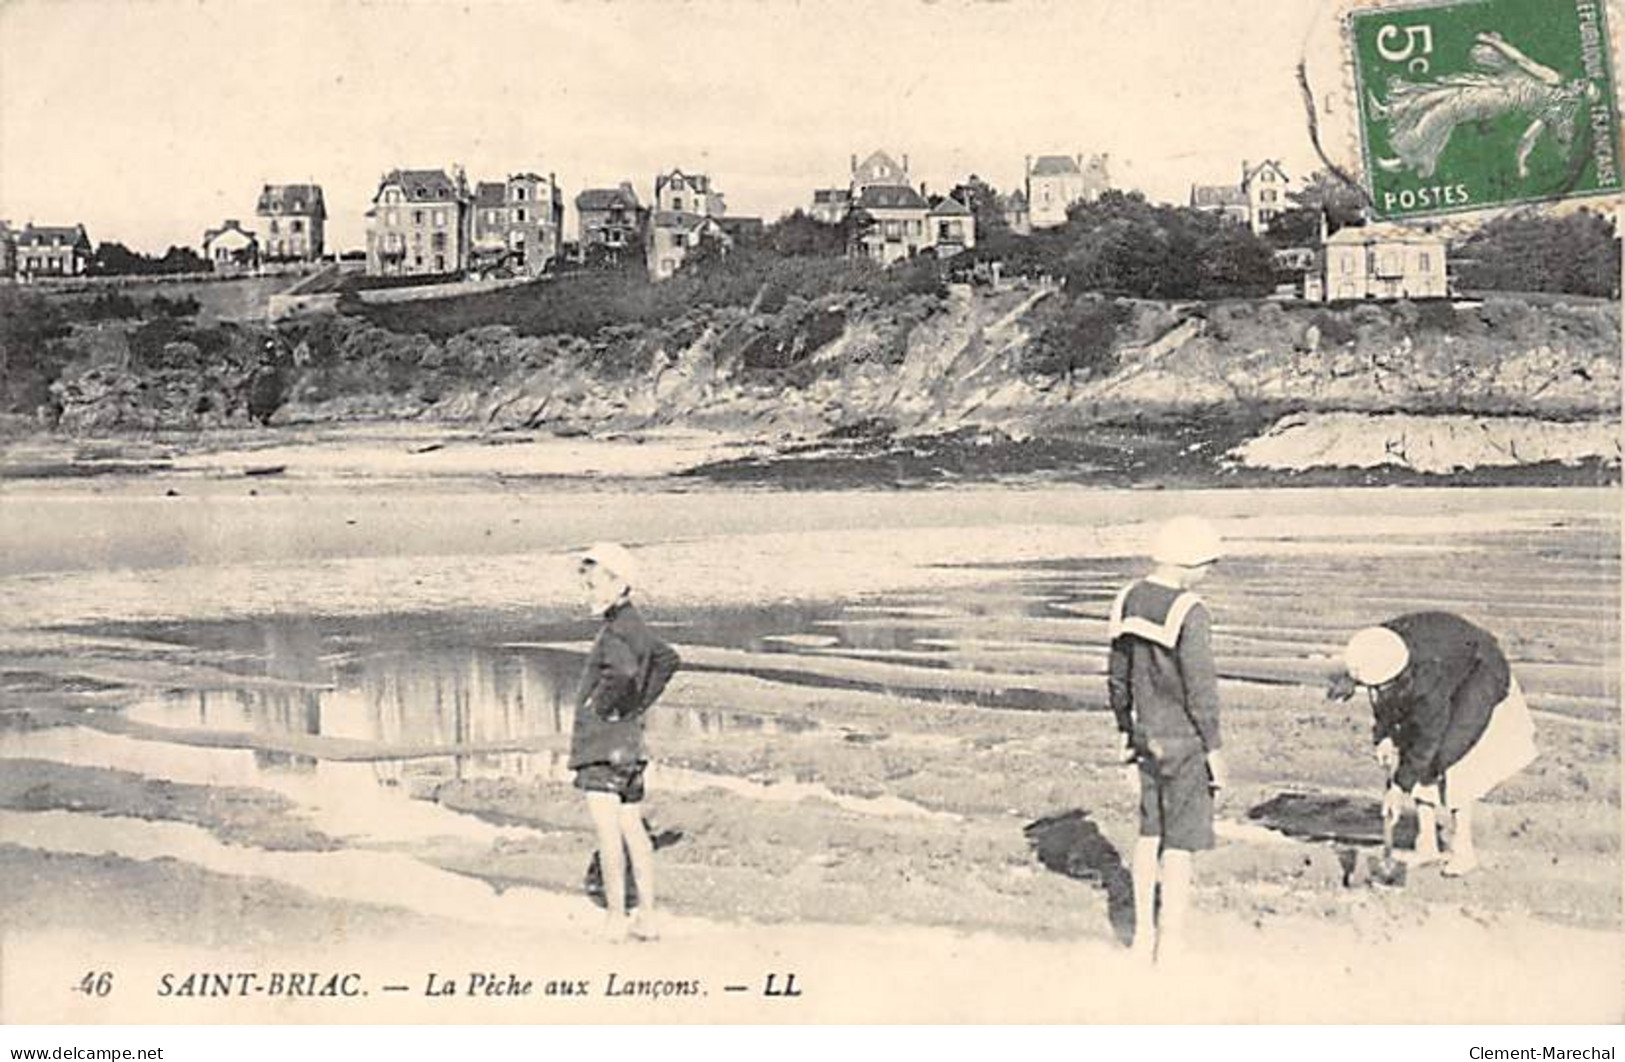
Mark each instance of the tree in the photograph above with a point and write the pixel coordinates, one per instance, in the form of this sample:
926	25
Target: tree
1578	254
115	259
801	235
1235	262
983	200
1322	193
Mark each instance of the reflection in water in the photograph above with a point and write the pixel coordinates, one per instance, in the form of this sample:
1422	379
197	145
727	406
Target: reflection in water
437	708
452	699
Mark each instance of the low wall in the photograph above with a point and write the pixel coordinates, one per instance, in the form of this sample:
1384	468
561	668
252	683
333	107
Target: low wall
286	305
438	291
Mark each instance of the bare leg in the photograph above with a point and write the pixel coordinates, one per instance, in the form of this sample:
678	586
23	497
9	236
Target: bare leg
605	809
642	850
1463	856
1176	900
1427	833
1145	871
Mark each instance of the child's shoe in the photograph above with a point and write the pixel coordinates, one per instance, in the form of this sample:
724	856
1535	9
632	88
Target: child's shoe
644	926
1460	865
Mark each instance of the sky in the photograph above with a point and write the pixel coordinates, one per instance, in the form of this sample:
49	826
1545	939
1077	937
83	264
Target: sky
151	120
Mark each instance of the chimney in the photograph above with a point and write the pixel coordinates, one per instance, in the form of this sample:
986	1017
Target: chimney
922	190
1244	172
1079	160
905	164
854	169
1029	165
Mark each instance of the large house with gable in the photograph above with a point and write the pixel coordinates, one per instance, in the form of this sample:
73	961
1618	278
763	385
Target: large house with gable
1056	182
52	251
294	220
611	222
1257	200
419	224
688	209
518	223
900	220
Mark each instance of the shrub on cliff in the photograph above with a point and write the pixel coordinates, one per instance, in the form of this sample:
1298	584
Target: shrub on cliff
32	351
1080	341
585	303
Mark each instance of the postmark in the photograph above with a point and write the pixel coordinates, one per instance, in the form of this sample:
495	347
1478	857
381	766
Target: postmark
1484	103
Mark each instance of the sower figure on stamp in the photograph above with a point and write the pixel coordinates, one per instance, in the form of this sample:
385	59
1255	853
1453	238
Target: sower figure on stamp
1451	723
625	672
1422	115
1164	691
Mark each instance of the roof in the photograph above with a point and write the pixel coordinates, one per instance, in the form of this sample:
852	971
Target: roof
230	225
1217	195
45	233
1267	164
1016	200
279	199
951	207
890	196
424	185
699	182
740	225
1055	166
606	199
881	158
1383	232
490	193
832	195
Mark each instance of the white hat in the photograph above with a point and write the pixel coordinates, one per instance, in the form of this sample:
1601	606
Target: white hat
613	558
1375	655
1187	541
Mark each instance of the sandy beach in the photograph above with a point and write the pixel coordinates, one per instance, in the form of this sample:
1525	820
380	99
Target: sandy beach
316	721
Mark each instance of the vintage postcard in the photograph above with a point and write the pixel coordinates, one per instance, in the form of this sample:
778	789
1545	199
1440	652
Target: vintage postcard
774	512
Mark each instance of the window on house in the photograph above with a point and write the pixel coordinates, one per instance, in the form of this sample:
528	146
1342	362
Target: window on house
519	194
273	226
1423	262
439	263
417	260
677	182
677	203
893	230
296	226
417	217
1348	263
393	218
438	241
520	215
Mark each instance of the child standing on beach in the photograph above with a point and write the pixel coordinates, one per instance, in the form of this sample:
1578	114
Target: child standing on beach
1164	692
626	670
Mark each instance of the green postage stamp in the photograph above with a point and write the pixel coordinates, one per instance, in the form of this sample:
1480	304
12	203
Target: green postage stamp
1484	103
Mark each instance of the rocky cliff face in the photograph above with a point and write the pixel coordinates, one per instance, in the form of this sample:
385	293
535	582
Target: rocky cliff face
920	366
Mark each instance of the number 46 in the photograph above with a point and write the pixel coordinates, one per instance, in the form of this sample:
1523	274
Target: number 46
96	984
1413	38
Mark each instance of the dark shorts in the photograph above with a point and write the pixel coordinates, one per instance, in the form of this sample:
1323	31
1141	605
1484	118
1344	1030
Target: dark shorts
1176	803
625	780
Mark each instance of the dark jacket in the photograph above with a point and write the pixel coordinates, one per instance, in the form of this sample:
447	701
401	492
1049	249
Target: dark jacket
626	670
1439	706
1162	680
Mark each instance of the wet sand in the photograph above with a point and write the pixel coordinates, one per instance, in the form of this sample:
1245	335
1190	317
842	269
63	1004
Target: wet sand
887	766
